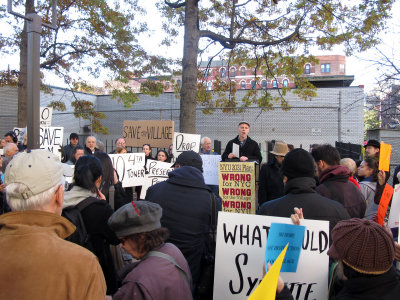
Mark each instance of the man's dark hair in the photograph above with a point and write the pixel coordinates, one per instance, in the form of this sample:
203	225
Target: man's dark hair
78	147
147	241
12	135
327	153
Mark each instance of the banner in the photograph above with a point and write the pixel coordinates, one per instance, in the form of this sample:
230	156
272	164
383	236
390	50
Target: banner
46	114
157	133
210	168
241	243
51	139
237	186
185	142
157	171
130	168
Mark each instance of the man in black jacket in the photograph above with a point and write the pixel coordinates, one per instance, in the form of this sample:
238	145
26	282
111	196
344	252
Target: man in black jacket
248	148
298	171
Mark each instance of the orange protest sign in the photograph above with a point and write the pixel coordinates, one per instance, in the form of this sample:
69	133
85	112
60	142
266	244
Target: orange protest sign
384	156
384	203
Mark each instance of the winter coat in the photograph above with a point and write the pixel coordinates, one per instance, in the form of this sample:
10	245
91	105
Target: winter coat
250	149
38	264
157	278
270	183
89	152
95	217
300	192
368	189
335	185
186	203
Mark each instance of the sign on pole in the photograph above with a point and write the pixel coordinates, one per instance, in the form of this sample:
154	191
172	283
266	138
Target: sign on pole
210	168
157	133
46	114
241	243
130	168
237	187
157	171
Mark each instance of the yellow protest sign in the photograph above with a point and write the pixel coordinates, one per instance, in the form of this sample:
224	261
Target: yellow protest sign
266	290
237	186
384	156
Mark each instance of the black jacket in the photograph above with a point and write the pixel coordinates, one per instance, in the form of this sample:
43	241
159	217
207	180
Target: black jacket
186	203
250	149
89	152
271	182
300	192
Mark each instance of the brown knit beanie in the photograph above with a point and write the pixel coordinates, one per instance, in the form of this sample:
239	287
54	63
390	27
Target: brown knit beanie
363	245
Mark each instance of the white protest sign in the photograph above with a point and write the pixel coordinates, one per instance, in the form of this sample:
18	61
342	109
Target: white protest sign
130	168
46	114
210	168
395	208
51	139
185	142
157	172
241	243
20	133
1	151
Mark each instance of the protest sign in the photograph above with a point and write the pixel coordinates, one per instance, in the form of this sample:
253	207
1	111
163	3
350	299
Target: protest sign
384	156
157	133
51	139
1	151
46	114
185	142
237	186
279	235
241	243
130	168
235	150
210	168
394	213
157	171
20	133
384	203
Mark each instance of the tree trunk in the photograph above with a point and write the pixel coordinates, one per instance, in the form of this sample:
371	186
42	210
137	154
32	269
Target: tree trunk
187	116
23	58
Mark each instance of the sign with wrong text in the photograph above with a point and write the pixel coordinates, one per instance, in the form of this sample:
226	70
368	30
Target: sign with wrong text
241	244
185	142
157	133
237	186
130	168
157	171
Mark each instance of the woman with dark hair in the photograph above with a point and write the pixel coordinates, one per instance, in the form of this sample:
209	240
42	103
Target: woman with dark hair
162	271
146	149
77	152
88	176
368	173
162	155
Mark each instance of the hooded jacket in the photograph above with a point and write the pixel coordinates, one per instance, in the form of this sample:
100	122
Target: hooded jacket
335	184
186	203
37	263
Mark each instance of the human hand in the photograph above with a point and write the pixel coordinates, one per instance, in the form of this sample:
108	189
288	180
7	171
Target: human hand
231	155
381	177
243	158
2	187
100	195
281	284
298	214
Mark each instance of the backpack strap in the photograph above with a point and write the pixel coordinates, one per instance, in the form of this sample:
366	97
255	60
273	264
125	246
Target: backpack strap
85	203
172	260
213	224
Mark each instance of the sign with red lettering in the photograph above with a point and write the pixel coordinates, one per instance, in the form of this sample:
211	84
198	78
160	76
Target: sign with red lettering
384	203
237	186
157	133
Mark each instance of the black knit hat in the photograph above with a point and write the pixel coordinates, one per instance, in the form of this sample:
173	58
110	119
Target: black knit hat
363	245
373	143
298	163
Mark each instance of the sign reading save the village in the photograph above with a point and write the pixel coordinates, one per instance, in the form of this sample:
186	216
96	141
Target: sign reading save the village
241	244
157	133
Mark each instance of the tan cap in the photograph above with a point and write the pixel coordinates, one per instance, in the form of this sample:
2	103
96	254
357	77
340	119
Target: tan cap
280	149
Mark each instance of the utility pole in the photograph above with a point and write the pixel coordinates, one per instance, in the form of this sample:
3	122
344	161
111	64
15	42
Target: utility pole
34	29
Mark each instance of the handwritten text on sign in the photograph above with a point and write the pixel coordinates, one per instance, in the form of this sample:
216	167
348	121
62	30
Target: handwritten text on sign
241	243
46	114
158	134
157	172
237	186
210	168
51	139
130	168
185	142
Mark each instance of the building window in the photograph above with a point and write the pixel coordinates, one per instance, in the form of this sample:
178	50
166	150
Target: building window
325	68
307	69
209	86
264	84
342	68
285	83
232	72
243	71
243	85
274	84
253	85
223	71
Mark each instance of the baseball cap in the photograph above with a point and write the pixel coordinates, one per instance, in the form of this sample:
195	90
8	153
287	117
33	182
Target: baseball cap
189	158
244	122
373	143
38	169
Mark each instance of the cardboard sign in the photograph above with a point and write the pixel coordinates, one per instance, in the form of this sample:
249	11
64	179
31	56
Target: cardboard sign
241	242
394	213
237	186
279	235
130	168
210	168
384	203
20	133
185	142
51	139
46	114
157	133
384	156
157	171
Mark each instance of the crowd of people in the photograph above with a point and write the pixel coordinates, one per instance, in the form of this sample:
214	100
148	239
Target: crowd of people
155	248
